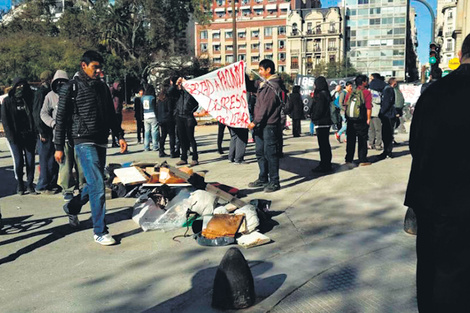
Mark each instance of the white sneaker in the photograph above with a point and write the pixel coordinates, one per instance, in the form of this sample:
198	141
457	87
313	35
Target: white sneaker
105	240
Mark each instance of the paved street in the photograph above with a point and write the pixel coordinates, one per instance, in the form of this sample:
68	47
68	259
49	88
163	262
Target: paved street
338	241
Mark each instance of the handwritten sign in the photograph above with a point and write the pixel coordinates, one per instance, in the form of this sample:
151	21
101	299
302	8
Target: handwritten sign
222	93
410	92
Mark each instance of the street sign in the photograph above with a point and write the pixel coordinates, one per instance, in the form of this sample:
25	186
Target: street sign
454	63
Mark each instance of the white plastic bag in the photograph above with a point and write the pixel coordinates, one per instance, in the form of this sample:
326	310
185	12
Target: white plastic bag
146	213
251	217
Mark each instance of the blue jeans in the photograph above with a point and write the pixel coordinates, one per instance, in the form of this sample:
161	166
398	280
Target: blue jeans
93	159
345	125
267	153
312	128
49	168
23	151
151	127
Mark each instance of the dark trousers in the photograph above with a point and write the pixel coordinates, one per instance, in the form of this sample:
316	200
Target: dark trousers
359	131
49	169
140	129
220	136
387	134
238	142
167	128
323	136
267	153
296	127
443	267
23	152
186	127
119	119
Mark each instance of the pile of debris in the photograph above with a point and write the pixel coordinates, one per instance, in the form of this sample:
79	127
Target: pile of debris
170	198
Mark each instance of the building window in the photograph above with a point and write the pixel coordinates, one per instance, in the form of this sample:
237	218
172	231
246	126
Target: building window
309	28
449	45
203	47
255	59
216	36
241	47
259	11
255	46
228	48
215	48
228	35
282	56
374	21
398	63
294	63
318	28
203	34
281	30
229	59
268	32
364	1
282	44
281	69
255	34
268	46
295	31
332	28
241	57
268	56
242	35
217	60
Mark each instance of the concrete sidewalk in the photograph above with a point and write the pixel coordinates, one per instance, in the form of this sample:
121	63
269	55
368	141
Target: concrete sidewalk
338	242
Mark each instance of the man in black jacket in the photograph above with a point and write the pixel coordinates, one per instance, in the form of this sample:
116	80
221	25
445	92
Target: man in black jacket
387	117
185	121
438	191
86	110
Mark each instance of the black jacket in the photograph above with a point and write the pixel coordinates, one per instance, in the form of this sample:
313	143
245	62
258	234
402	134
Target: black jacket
387	107
11	115
296	107
89	117
440	172
39	96
185	103
165	110
320	112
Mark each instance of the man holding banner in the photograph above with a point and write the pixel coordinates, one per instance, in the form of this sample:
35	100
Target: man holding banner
267	124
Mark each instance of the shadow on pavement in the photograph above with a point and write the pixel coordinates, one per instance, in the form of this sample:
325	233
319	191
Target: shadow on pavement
20	224
8	185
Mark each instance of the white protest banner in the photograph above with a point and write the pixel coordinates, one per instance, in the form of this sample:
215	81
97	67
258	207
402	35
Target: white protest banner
222	93
411	92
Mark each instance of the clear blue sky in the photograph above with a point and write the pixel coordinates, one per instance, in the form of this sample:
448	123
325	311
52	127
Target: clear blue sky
423	24
4	4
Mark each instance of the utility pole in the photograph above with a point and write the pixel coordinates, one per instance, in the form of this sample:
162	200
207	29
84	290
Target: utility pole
234	32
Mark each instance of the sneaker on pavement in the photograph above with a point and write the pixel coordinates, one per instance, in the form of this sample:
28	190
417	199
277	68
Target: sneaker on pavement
74	222
194	163
338	137
258	183
271	187
181	162
68	196
105	240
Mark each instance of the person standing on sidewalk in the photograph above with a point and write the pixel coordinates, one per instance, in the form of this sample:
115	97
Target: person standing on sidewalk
19	127
47	181
166	120
376	87
358	127
139	115
86	110
66	177
347	90
296	110
267	124
387	116
118	99
438	190
185	121
149	105
321	116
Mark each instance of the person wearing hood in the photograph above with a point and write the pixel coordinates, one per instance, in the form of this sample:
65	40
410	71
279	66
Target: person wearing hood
296	110
320	114
118	100
19	127
65	169
267	124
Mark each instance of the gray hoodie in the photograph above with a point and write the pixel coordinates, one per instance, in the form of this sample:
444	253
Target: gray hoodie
51	101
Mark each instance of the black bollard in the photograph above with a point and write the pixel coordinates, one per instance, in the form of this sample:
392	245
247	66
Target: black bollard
234	287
